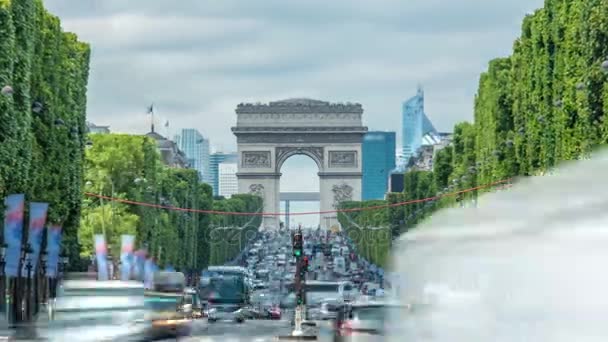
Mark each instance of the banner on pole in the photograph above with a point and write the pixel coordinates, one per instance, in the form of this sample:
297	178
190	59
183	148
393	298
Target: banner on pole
101	251
38	212
148	274
53	248
140	258
13	232
126	257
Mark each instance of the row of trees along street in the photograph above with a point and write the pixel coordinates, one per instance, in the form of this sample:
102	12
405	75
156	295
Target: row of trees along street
43	76
130	167
546	103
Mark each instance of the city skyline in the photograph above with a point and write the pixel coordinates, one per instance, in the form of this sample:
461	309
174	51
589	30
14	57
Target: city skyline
196	63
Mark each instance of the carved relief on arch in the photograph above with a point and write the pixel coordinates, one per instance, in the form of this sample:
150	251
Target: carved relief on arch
282	153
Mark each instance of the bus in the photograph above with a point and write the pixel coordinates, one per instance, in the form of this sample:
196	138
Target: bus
224	290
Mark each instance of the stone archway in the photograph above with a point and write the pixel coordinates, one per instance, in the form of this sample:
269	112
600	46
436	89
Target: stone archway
329	133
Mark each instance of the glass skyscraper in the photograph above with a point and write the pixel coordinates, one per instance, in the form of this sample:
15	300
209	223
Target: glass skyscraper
378	162
196	148
214	161
415	125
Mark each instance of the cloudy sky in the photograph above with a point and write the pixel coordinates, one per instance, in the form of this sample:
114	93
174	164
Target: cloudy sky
197	59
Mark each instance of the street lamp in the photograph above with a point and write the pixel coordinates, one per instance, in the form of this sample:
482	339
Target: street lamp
37	107
605	66
7	90
43	261
26	256
103	223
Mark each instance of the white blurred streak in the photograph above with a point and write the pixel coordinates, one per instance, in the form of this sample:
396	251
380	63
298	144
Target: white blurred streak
527	265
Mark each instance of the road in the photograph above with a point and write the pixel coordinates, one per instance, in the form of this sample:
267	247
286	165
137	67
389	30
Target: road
251	331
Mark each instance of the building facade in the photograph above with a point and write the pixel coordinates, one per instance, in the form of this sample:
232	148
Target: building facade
170	153
415	126
378	162
95	129
214	161
331	134
196	148
228	183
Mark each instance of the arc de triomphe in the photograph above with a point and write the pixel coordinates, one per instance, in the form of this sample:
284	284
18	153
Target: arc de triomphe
329	133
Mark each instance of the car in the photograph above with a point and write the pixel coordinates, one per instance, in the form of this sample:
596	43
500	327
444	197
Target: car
226	313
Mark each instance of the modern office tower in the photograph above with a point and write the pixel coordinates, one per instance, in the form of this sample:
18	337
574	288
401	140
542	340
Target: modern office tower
415	126
214	161
228	183
378	163
196	148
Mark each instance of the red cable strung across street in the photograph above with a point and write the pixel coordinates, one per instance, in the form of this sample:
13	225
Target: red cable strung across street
215	212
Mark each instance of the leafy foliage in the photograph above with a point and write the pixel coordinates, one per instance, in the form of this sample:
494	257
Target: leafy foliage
130	167
546	103
48	71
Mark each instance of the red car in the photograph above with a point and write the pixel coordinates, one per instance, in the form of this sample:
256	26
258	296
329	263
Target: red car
274	313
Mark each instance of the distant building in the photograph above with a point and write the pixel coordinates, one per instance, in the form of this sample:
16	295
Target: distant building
93	128
396	182
423	160
378	160
416	127
214	160
170	153
228	183
196	148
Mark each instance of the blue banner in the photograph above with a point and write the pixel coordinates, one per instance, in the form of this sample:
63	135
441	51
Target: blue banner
140	258
53	248
101	251
38	213
13	232
148	274
126	257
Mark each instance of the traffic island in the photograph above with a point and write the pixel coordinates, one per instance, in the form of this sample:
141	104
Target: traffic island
298	338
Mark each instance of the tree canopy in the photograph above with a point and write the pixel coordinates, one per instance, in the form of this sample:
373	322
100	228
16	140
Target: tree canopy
544	104
43	118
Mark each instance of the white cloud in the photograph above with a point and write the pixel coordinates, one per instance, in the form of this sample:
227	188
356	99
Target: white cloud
197	59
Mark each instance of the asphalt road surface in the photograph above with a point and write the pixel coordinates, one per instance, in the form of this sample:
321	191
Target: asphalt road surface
250	331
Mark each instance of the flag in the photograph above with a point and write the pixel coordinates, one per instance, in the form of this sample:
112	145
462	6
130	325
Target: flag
151	109
167	123
13	231
38	213
101	250
53	247
126	257
140	257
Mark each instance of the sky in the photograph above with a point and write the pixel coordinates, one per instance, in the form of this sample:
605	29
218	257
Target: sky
197	59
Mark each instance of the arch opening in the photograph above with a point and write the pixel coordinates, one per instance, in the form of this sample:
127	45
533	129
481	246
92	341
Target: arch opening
299	189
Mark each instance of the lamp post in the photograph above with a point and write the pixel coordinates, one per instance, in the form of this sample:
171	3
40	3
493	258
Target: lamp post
22	295
44	288
103	219
28	291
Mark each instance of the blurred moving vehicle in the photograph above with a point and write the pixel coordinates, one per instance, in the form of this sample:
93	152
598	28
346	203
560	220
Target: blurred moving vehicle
94	310
192	298
226	290
169	307
364	321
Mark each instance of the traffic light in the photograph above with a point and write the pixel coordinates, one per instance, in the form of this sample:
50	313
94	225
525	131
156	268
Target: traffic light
304	268
300	298
297	245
